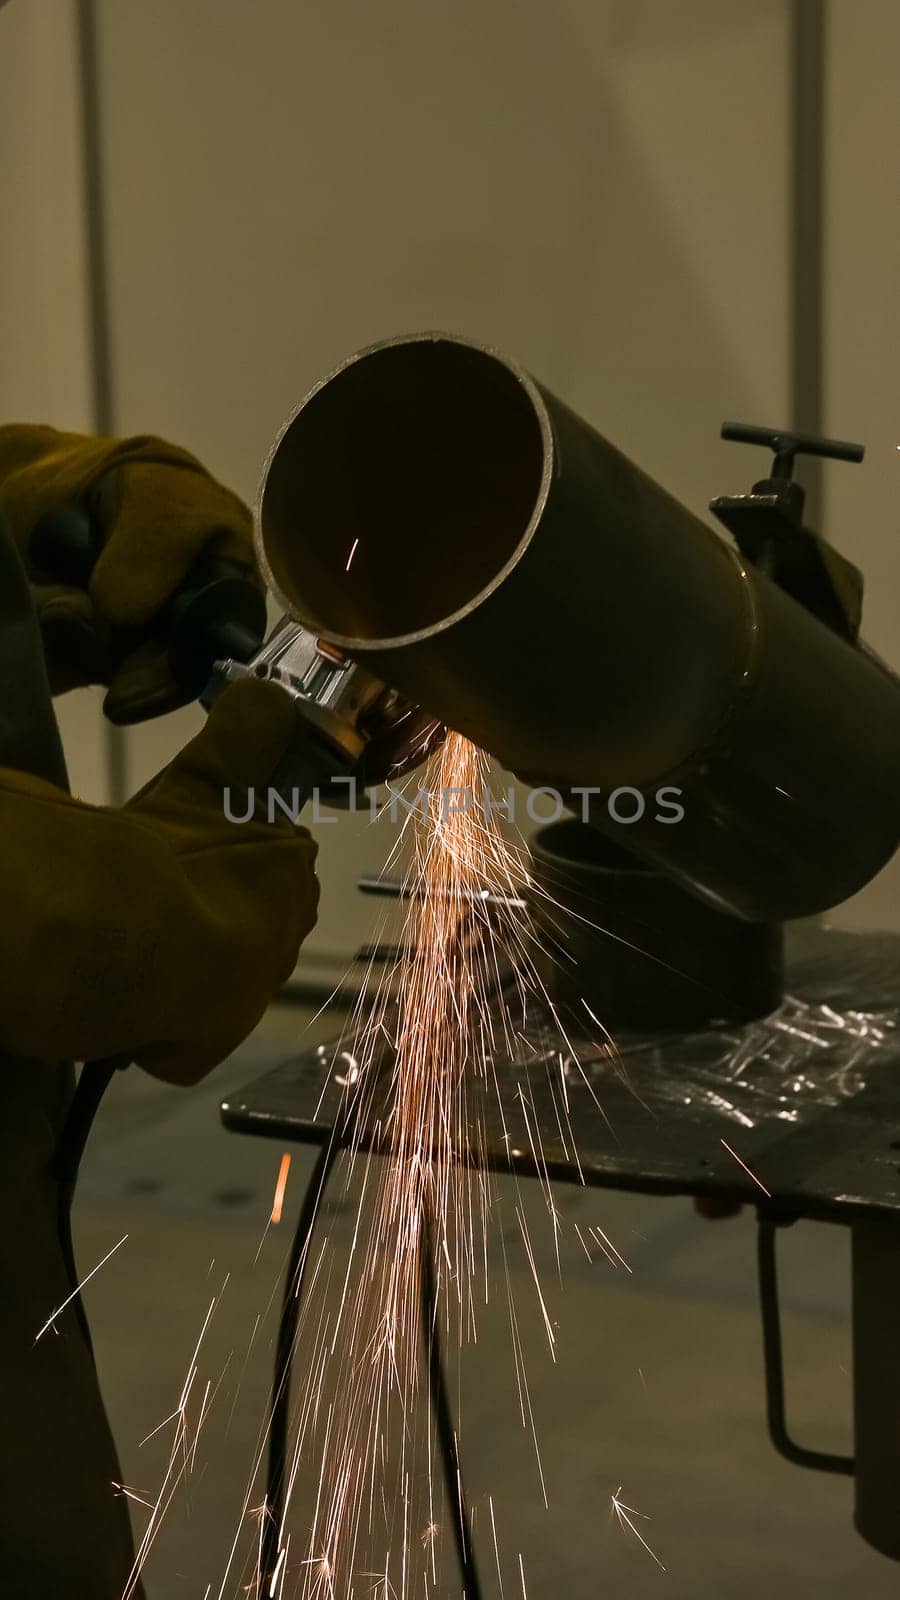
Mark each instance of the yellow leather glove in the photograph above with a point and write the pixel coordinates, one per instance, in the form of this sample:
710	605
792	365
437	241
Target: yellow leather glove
159	932
155	510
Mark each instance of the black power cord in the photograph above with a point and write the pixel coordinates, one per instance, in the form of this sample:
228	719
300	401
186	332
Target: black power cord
443	1416
279	1404
280	1398
93	1082
92	1085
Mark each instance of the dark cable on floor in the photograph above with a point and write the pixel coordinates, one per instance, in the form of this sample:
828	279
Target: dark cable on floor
440	1407
279	1406
280	1399
93	1083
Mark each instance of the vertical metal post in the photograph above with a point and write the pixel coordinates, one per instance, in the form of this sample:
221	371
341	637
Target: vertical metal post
98	303
806	233
876	1382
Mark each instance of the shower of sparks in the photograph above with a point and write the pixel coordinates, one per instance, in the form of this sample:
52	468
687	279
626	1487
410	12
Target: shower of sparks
624	1515
423	1051
353	550
280	1186
417	1067
750	1174
51	1320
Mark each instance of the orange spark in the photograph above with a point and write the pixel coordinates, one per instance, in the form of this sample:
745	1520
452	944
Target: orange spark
750	1174
623	1517
280	1186
69	1298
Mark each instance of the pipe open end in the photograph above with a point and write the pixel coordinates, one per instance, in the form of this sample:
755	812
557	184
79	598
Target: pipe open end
402	489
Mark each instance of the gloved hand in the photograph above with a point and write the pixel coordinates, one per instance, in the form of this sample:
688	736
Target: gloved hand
159	932
155	510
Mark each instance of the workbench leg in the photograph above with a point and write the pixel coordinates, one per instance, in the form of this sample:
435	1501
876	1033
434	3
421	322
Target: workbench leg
876	1382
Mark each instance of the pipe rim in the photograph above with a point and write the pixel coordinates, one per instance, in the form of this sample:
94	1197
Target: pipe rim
354	645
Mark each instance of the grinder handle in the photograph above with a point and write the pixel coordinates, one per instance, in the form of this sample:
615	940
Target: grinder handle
216	614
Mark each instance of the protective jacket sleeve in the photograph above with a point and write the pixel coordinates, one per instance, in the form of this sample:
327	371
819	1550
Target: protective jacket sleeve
158	932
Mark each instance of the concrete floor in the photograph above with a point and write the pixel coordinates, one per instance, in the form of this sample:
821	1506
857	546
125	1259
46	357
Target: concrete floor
657	1385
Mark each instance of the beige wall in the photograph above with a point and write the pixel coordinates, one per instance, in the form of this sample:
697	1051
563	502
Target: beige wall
599	187
862	307
570	180
44	356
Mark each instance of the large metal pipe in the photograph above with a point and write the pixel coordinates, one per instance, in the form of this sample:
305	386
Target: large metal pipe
446	521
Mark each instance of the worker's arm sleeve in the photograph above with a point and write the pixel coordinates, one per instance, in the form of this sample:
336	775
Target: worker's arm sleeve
114	943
